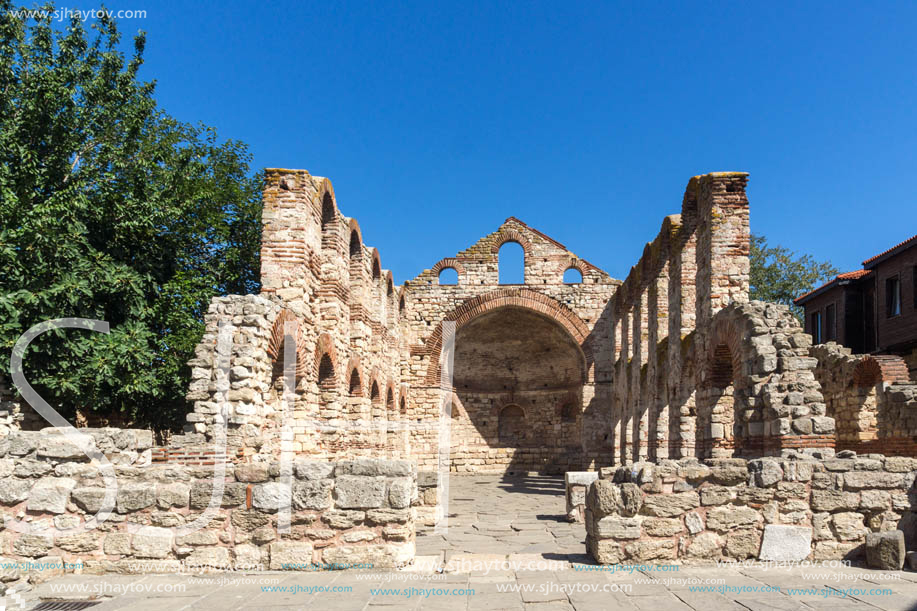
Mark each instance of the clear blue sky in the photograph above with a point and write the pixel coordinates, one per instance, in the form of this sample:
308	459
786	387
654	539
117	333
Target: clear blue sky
437	121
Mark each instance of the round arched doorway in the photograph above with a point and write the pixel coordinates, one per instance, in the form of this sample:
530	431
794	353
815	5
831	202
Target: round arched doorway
519	377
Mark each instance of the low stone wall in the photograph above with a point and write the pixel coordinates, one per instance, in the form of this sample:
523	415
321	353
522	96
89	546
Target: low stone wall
727	508
342	513
872	399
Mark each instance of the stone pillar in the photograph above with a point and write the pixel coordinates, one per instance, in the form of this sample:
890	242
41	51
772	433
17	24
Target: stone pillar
639	406
682	316
722	278
625	383
291	236
656	379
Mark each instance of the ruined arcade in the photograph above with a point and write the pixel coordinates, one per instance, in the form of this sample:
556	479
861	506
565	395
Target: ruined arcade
704	419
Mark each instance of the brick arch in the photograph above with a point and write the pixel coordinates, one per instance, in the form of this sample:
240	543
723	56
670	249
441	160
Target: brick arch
325	345
447	263
511	235
726	351
518	297
389	279
403	399
353	366
326	203
275	344
376	264
390	392
573	263
376	377
880	368
354	228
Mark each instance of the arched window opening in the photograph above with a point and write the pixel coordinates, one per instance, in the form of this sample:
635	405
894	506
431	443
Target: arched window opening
326	372
391	288
573	276
511	263
568	413
511	428
377	270
327	210
448	276
390	400
356	249
374	393
356	389
721	371
401	304
403	408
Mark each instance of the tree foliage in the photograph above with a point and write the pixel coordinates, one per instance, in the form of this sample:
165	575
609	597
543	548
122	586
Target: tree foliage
111	210
779	275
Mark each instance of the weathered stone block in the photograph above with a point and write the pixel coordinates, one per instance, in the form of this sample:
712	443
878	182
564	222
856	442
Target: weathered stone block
135	496
785	543
374	467
210	557
727	518
616	527
375	556
670	505
359	492
290	555
152	542
313	469
834	500
51	494
14	491
400	492
662	527
312	494
646	551
271	496
885	550
705	545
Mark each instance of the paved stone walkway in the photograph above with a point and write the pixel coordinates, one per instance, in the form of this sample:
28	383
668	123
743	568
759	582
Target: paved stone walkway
496	521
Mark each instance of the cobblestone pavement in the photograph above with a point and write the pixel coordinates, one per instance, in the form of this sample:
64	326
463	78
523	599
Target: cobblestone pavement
499	530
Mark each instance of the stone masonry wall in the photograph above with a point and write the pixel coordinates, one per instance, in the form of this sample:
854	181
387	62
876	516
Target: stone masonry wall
871	397
342	513
694	511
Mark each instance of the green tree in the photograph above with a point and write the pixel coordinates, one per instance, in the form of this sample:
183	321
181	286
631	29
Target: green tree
779	275
110	209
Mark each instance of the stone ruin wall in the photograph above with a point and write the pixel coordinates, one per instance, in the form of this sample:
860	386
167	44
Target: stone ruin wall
342	513
778	509
565	427
871	397
699	371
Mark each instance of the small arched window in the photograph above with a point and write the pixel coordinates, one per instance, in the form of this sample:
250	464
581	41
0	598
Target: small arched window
327	210
403	407
356	388
377	269
374	393
326	372
355	247
390	400
511	263
721	370
448	276
572	276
